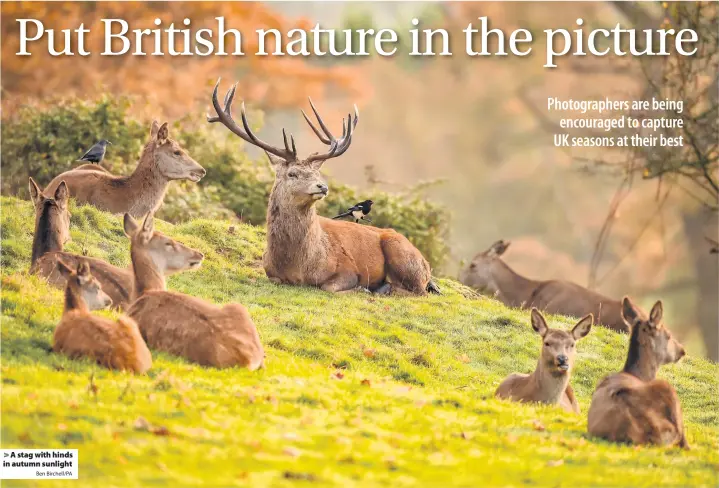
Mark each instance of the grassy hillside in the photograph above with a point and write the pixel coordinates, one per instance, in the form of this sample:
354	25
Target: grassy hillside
358	390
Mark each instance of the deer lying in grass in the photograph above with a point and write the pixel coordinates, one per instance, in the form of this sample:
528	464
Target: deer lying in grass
52	230
162	160
112	344
549	383
184	325
633	406
306	249
491	276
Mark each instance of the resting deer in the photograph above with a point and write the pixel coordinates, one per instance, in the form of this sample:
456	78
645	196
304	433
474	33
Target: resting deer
184	325
306	249
52	230
162	160
490	275
112	344
549	383
633	406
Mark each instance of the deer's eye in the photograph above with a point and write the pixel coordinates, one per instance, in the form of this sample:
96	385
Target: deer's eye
168	244
292	175
571	345
178	152
473	265
546	344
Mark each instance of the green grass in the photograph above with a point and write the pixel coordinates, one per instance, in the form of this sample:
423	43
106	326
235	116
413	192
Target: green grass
358	390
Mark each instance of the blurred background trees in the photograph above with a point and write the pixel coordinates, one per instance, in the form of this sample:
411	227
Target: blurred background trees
457	151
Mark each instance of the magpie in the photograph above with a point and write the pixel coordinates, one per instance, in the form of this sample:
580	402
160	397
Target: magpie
358	212
96	153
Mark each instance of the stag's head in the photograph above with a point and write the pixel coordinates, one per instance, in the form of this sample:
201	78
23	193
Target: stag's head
296	180
480	273
170	159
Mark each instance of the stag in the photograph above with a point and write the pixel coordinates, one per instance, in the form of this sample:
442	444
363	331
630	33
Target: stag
304	248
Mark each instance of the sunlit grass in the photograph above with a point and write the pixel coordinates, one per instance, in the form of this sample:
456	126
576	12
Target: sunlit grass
358	390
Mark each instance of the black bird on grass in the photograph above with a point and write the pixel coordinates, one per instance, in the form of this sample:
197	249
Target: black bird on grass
96	153
358	212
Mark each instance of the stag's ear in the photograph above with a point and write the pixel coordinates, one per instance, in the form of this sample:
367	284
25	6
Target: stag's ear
538	323
163	134
275	161
63	268
498	248
35	192
62	194
630	313
583	327
154	128
655	316
130	226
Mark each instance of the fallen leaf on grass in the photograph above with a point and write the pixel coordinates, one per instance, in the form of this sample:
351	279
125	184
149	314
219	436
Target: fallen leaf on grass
291	475
337	375
537	425
558	462
463	358
61	427
369	352
160	430
366	382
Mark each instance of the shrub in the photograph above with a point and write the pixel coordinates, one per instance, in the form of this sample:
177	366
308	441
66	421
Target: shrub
44	141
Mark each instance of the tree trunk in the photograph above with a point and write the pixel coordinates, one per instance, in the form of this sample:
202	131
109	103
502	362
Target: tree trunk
698	226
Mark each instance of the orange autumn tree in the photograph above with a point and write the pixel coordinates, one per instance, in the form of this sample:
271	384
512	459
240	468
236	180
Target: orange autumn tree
172	83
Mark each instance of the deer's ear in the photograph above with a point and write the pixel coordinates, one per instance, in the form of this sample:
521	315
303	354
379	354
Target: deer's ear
499	247
275	161
35	192
630	313
148	225
130	226
583	327
64	269
154	128
83	272
538	323
655	316
62	194
163	133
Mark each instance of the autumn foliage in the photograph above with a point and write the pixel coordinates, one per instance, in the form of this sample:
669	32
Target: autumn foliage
174	83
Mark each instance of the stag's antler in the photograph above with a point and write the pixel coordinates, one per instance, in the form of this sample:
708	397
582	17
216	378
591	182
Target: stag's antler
224	116
337	146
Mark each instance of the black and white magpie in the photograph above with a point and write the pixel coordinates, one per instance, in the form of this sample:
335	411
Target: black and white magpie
96	153
358	212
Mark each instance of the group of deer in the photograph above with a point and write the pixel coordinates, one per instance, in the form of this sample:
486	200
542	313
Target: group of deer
630	406
302	249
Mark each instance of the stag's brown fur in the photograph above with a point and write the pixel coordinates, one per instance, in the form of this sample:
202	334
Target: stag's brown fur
549	382
183	325
306	249
114	345
633	406
490	275
162	160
